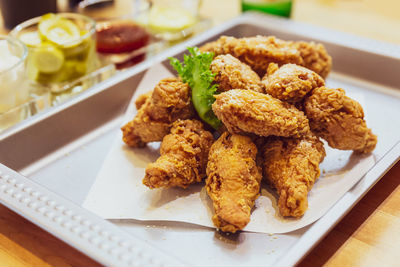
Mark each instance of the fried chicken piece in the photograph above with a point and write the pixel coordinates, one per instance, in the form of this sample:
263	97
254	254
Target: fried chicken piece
290	83
231	73
233	181
183	159
291	165
169	101
259	51
245	111
339	120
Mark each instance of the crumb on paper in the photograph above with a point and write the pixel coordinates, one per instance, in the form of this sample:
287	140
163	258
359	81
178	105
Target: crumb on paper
269	252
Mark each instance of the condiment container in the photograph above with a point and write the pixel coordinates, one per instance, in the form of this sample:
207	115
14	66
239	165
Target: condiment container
61	48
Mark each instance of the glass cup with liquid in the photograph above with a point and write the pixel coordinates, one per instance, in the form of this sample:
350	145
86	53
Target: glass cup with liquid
172	20
14	89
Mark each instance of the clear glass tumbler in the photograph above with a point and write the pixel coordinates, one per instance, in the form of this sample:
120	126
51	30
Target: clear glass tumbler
14	89
172	20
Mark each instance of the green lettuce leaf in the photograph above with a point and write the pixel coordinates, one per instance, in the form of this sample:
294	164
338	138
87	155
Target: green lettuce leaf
195	70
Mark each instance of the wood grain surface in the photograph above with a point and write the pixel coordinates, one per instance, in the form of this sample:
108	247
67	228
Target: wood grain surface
368	236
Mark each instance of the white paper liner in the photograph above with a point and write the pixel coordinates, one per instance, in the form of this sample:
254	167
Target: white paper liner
118	192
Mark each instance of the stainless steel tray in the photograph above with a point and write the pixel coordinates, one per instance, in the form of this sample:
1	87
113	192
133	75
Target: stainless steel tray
61	150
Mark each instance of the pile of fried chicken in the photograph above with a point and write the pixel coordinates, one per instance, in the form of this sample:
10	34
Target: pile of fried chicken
272	127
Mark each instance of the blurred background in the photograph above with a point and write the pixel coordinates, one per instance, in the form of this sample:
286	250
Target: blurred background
378	19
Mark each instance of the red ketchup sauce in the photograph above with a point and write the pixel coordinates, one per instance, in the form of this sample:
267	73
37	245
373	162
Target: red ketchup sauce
120	37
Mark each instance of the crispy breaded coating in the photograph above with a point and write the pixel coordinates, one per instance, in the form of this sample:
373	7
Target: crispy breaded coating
291	165
315	57
339	120
245	111
154	129
169	102
183	159
259	51
231	73
233	181
140	100
290	83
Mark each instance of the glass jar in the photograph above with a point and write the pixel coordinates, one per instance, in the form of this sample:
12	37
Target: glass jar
61	48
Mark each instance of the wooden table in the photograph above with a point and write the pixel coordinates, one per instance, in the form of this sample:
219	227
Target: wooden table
368	236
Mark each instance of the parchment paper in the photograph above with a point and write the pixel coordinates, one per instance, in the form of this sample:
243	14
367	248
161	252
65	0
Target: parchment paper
118	192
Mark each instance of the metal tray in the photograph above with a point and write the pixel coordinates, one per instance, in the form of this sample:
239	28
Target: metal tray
61	150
